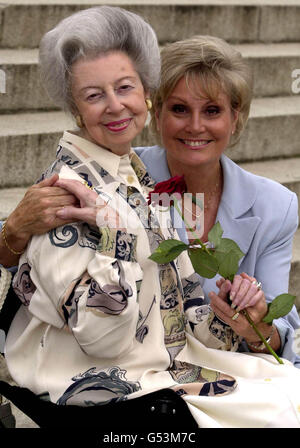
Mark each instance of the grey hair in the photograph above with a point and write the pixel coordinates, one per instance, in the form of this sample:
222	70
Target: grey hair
213	64
90	33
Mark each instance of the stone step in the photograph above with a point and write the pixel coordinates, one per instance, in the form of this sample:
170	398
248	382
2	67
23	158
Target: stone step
272	64
28	144
272	131
273	67
28	140
24	22
23	89
9	199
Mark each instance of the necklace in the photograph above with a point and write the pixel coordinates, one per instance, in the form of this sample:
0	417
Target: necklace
195	215
207	203
211	195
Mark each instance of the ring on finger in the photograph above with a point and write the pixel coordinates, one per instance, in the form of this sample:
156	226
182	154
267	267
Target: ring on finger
88	184
235	316
257	284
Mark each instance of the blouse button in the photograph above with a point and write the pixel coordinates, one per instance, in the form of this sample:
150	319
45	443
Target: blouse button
130	179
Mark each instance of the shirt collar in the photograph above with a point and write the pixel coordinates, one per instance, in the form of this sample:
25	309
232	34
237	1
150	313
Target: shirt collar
105	158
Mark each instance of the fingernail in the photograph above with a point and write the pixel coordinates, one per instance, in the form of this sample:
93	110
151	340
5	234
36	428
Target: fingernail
233	305
232	295
61	212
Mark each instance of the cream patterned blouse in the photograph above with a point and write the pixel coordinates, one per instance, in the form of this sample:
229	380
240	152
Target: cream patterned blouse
100	321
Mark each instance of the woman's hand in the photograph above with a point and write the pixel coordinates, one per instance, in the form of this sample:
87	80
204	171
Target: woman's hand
91	207
245	294
34	215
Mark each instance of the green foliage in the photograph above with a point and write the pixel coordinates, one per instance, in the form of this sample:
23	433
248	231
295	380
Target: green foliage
205	264
229	265
226	251
223	259
215	234
279	307
167	251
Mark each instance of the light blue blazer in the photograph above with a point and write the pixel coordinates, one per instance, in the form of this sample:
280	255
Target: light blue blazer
261	216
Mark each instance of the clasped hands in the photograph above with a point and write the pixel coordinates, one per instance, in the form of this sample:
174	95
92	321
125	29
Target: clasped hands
91	207
245	294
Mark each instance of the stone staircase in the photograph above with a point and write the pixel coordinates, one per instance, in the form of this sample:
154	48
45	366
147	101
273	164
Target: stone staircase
266	32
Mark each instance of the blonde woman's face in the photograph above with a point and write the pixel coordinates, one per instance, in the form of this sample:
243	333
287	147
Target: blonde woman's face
109	96
194	129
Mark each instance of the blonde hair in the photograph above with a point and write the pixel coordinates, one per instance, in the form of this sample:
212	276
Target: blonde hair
214	65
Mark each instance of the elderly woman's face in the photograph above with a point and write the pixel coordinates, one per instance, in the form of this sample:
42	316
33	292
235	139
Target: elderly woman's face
195	130
110	98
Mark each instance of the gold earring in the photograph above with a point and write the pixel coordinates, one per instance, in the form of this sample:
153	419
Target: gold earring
148	103
79	121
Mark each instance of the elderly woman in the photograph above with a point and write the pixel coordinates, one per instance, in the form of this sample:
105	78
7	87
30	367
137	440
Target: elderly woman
196	121
99	319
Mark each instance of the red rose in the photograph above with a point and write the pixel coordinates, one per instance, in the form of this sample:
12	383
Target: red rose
173	185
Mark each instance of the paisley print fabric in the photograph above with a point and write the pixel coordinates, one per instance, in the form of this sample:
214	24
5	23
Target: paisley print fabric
110	299
118	244
23	284
200	381
117	316
107	385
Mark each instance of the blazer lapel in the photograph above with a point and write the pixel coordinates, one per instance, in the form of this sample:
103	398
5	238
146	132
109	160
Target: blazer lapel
238	197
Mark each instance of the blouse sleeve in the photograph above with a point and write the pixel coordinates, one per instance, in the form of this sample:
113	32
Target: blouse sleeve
98	302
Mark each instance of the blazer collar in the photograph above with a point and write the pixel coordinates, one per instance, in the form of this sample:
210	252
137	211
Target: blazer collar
239	192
